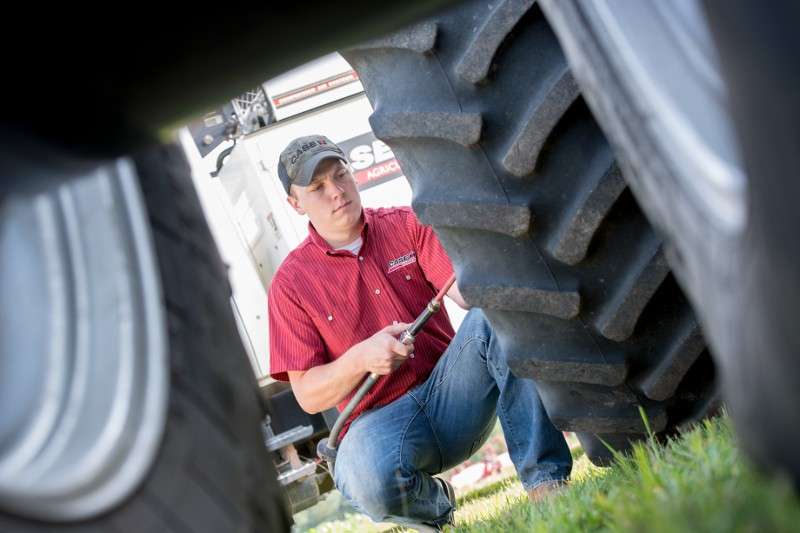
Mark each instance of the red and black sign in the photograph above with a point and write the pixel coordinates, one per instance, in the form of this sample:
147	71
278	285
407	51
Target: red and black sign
373	162
313	89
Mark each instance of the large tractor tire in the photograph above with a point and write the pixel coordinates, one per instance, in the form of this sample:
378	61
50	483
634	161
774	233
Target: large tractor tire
508	165
127	402
700	101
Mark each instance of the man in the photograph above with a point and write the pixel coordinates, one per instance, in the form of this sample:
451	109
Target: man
336	307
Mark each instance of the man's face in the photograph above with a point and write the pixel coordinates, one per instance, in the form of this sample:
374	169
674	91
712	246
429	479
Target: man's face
331	200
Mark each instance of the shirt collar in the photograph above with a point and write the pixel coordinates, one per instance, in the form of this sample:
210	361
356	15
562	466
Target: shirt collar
323	245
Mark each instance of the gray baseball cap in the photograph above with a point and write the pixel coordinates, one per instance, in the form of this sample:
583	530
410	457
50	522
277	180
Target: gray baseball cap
300	158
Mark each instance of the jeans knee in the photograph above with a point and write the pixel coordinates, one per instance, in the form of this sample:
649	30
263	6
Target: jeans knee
480	324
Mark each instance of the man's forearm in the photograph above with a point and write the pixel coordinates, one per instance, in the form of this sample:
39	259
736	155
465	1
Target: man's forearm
324	386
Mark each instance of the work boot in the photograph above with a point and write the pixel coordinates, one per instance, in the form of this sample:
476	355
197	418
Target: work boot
546	490
449	491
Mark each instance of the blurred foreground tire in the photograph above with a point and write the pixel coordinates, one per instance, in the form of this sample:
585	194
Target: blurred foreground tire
700	101
128	403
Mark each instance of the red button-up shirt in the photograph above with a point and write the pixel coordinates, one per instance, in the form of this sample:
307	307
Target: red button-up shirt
323	301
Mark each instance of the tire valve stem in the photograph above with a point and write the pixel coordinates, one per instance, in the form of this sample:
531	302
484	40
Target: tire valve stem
327	451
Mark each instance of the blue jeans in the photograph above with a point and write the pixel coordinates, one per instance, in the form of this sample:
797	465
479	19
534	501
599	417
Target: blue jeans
386	460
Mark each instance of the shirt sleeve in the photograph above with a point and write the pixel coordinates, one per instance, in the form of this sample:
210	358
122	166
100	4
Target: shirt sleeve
294	341
431	255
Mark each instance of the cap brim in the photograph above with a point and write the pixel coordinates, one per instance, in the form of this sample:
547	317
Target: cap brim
307	172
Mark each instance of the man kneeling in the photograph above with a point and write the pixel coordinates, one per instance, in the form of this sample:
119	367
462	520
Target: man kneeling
336	306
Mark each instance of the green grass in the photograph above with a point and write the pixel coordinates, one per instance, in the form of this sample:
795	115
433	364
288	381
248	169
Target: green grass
698	482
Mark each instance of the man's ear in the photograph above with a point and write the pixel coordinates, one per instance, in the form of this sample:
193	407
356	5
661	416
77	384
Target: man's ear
292	200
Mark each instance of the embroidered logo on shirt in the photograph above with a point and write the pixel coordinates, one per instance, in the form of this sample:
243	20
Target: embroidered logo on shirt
403	260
